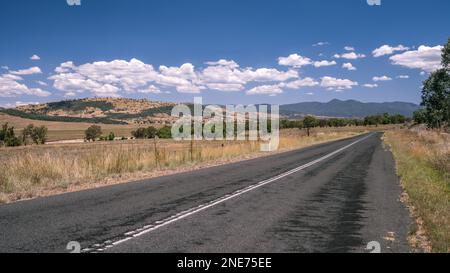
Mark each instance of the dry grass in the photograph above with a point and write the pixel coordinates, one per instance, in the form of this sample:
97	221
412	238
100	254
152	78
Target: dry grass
423	162
65	130
31	171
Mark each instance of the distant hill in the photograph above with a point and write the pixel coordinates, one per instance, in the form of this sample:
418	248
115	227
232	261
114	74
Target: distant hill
132	111
97	110
348	108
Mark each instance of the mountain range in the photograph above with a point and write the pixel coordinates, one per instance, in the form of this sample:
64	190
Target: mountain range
348	108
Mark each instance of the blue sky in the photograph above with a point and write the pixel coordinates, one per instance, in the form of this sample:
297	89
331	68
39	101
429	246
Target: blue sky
226	51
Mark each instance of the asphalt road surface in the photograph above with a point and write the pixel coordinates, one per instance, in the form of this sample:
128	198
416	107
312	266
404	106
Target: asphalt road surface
333	197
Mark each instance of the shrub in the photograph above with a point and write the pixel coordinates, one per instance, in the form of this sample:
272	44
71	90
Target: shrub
165	132
93	132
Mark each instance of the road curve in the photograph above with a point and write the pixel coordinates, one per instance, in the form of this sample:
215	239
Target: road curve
333	197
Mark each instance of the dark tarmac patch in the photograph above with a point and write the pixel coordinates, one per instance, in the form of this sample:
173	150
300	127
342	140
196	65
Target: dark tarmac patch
331	220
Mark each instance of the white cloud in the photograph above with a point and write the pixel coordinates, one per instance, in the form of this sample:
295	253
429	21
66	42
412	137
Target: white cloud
381	79
349	56
265	90
426	58
337	84
150	90
268	74
369	85
321	44
348	66
42	83
309	94
112	78
35	58
223	62
227	87
10	86
324	63
28	71
403	77
5	67
306	82
349	48
70	94
294	60
388	50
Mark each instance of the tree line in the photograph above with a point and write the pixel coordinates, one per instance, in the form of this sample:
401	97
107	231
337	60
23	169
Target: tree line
30	134
312	122
94	133
436	96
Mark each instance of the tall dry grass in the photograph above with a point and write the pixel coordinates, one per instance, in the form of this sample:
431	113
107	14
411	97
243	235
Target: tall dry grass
31	171
423	163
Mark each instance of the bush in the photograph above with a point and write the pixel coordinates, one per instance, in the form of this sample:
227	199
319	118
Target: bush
93	132
149	132
8	137
165	132
111	136
39	134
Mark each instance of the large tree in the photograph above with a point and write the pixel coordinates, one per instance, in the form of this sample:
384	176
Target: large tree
93	132
436	93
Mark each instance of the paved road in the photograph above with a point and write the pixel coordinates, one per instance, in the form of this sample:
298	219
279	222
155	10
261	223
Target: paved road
334	197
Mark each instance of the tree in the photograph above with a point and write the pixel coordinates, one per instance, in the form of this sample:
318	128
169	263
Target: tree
26	133
93	132
8	136
111	136
39	134
436	93
165	132
420	116
309	122
149	132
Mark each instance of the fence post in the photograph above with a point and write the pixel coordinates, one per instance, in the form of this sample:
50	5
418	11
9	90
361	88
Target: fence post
192	149
156	151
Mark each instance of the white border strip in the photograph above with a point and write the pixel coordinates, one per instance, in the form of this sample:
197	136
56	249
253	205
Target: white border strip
159	224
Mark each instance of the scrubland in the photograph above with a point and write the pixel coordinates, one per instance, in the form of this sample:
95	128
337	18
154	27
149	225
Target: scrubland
423	164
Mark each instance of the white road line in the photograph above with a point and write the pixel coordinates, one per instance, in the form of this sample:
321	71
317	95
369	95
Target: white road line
179	216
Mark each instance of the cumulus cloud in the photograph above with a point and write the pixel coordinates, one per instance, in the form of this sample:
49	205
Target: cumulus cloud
370	85
337	84
227	87
425	58
10	86
403	77
35	58
348	66
388	50
349	48
265	90
349	56
113	78
28	71
223	62
324	63
294	60
306	82
381	79
150	90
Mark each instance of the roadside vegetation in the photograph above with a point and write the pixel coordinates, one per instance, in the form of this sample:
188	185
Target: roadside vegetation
422	154
423	164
